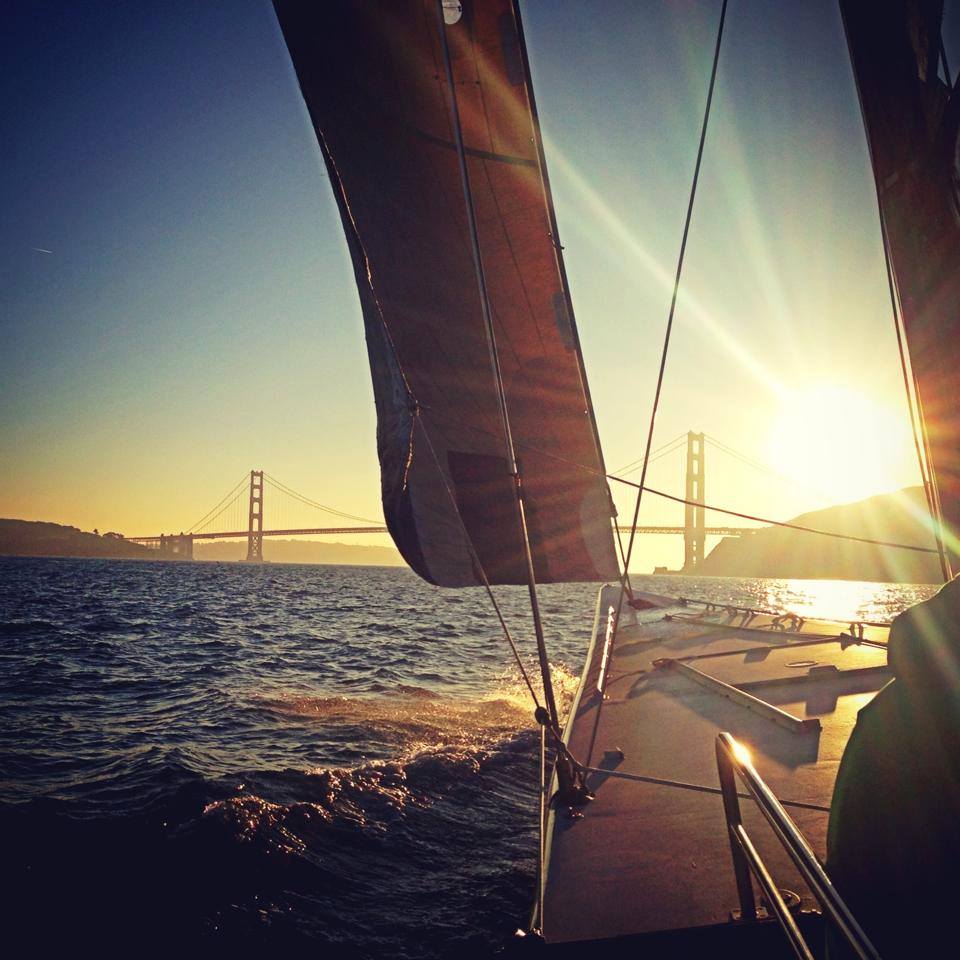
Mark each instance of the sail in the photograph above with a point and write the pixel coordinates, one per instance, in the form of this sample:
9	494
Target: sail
912	116
372	73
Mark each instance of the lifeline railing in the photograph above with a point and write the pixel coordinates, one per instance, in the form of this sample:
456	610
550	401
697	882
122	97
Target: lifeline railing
733	761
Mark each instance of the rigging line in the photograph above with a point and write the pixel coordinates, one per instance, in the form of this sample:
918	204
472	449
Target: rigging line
624	582
487	313
901	350
542	811
413	403
931	490
698	787
720	607
507	238
915	414
676	285
937	513
466	390
626	573
233	491
733	513
476	559
782	523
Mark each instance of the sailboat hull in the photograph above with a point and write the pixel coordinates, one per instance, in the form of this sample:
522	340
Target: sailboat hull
650	853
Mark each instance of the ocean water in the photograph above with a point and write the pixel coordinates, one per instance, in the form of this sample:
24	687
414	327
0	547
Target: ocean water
228	758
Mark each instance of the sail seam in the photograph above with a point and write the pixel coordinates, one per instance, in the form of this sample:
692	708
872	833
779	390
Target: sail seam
676	290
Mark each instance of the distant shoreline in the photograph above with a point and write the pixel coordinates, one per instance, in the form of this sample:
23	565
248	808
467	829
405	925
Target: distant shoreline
38	538
212	563
769	552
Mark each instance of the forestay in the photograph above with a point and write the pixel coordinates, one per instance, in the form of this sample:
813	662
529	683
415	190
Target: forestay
373	77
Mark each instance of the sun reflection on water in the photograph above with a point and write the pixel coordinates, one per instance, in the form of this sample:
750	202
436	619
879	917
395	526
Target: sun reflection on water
843	599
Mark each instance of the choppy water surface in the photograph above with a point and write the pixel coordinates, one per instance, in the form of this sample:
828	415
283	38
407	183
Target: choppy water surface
224	757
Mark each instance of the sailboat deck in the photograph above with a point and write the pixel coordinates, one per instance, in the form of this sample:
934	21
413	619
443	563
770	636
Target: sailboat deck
647	857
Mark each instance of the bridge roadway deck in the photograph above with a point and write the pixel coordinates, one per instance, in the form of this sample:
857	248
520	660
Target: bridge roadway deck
314	531
241	534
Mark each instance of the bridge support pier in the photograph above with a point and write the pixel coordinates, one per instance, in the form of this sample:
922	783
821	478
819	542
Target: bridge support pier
255	521
694	532
176	546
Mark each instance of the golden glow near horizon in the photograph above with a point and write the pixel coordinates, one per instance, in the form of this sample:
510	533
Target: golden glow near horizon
127	399
838	441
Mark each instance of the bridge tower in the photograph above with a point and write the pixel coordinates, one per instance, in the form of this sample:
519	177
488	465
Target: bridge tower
694	535
255	521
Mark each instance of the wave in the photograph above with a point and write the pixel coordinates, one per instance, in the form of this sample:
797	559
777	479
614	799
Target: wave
413	719
443	842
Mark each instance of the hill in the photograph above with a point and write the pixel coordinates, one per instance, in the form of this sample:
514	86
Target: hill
36	538
303	551
778	552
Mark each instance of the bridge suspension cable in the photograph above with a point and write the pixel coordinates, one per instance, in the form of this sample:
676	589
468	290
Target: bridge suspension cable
221	505
234	506
749	461
662	451
283	488
761	467
677	443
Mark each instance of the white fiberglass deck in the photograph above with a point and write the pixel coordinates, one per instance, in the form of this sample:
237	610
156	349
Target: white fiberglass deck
647	856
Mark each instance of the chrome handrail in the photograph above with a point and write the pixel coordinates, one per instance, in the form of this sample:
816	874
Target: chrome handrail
733	761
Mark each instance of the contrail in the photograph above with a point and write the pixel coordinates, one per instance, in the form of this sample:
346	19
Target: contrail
41	250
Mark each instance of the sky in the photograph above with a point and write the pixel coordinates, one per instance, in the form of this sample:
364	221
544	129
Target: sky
177	305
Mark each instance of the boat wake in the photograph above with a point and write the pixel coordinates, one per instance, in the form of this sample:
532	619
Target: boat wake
294	856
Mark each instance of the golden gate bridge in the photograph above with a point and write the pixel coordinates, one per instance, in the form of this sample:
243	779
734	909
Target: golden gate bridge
240	513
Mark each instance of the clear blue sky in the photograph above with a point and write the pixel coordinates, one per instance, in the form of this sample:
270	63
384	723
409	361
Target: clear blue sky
177	306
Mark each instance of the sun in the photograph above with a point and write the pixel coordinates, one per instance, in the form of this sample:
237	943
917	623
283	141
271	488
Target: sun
840	443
